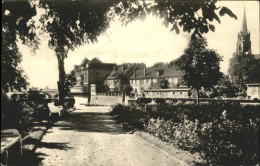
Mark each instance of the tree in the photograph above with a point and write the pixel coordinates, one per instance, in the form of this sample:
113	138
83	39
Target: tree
200	65
161	83
160	64
70	81
73	23
244	69
16	24
224	88
124	86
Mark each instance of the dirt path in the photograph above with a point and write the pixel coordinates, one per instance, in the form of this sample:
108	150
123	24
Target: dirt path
92	137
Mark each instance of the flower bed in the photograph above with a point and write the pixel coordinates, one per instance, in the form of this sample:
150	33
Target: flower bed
225	134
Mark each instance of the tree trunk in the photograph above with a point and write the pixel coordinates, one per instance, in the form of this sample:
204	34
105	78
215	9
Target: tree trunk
89	94
61	81
123	99
198	96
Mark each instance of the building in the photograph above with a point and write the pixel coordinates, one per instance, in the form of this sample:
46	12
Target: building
243	42
253	91
125	70
91	72
158	82
179	92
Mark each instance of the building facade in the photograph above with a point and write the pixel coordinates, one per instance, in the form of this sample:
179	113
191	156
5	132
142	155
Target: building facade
180	92
91	72
125	70
158	82
253	91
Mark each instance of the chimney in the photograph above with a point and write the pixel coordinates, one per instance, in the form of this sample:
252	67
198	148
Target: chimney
114	68
144	71
122	68
157	73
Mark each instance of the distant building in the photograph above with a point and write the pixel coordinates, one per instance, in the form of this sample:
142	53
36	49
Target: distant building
91	72
243	42
148	81
253	91
113	80
180	92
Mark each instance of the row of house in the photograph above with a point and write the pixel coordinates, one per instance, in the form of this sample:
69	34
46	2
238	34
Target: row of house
94	76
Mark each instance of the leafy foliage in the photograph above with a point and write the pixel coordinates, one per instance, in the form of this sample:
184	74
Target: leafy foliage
224	134
200	65
188	15
16	24
19	114
160	64
224	88
161	83
244	69
70	81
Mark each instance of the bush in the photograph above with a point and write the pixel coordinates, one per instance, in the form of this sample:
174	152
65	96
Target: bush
230	142
144	100
19	115
225	134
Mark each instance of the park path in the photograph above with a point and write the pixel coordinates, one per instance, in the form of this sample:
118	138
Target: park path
91	137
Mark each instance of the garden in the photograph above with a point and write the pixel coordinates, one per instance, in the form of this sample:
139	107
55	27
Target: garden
223	134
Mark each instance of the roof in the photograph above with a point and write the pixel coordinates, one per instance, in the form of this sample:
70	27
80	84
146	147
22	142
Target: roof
125	70
153	73
94	63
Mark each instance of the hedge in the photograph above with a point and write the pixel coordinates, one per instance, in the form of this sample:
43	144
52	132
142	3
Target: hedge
224	134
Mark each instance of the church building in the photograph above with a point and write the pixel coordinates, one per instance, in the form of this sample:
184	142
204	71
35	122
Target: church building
243	42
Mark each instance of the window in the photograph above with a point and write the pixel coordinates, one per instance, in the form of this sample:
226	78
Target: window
180	92
173	93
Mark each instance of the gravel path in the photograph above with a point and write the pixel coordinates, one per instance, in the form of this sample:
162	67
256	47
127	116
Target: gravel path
92	137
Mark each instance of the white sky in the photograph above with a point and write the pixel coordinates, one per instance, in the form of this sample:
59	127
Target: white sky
142	41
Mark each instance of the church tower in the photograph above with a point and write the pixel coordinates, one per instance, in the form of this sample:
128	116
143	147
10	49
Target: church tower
243	42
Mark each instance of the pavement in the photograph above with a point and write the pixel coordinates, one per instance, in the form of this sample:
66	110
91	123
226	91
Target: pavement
90	136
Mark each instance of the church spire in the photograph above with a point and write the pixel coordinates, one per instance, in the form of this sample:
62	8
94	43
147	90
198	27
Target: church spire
244	25
243	42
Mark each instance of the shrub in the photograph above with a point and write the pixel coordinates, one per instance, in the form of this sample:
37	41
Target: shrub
225	134
230	142
19	115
